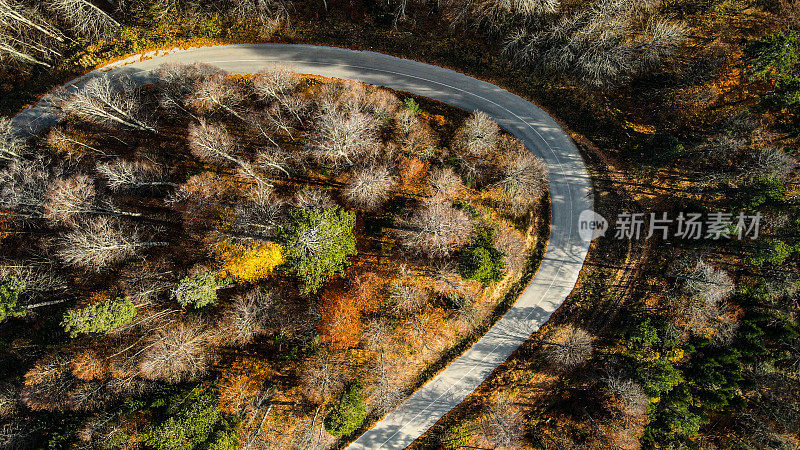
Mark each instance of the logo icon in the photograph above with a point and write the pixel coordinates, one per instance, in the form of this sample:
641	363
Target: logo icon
591	225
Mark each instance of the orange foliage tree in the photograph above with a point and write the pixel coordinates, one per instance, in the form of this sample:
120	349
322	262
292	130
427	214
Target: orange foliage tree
340	325
242	382
343	303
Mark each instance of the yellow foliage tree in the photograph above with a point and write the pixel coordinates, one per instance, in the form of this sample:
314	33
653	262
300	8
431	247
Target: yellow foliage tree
251	264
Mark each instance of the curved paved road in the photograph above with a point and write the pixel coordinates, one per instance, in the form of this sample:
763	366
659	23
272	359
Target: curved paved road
570	191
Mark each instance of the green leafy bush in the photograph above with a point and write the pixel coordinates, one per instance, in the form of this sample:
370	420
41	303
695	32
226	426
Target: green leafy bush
480	260
192	421
199	290
456	436
100	317
412	106
773	56
348	414
774	252
10	288
317	243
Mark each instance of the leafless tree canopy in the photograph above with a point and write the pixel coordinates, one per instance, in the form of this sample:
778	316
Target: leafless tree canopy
68	199
210	142
26	36
627	394
567	347
99	243
437	229
385	393
479	135
605	43
369	187
265	12
770	163
248	317
275	83
407	298
176	353
24	184
445	183
707	307
322	378
339	136
501	426
122	174
107	101
86	19
218	93
708	284
313	198
179	81
524	181
11	145
261	216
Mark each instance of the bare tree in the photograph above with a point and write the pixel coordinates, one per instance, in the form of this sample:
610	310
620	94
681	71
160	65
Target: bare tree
17	48
707	307
178	83
479	135
369	187
322	378
385	393
218	93
275	83
531	7
501	426
377	334
265	12
48	383
24	184
339	136
68	199
146	283
86	19
26	37
67	140
602	44
629	396
407	298
260	217
445	183
524	181
42	282
124	175
177	352
436	229
15	15
769	163
247	318
99	243
567	347
11	145
9	401
707	283
101	102
313	198
274	160
211	142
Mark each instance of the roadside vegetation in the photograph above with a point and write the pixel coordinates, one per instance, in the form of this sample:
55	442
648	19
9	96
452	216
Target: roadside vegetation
678	105
266	260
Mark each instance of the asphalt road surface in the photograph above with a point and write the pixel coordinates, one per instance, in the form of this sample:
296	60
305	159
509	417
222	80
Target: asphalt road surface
570	194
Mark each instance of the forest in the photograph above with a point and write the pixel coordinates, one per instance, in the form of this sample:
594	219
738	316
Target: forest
277	260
